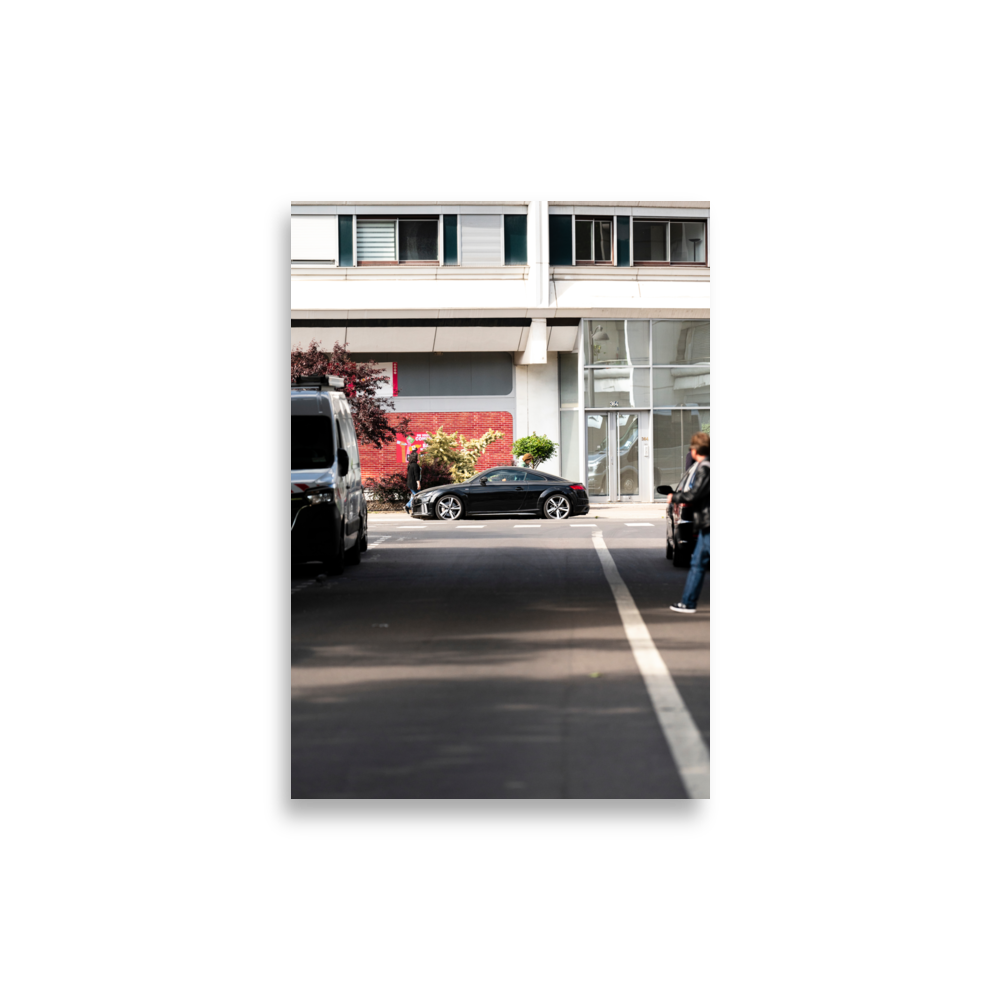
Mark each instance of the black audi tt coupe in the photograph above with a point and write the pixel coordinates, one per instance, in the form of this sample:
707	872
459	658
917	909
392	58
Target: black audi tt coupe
509	492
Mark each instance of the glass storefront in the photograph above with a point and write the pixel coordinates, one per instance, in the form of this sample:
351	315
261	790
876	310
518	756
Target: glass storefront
646	390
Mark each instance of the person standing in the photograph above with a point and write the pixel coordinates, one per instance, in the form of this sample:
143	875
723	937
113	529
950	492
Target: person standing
412	475
695	493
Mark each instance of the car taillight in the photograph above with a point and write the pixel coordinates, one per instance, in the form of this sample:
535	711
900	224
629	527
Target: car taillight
578	486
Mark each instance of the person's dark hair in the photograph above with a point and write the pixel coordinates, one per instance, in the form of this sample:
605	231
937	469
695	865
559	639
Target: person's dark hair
701	442
413	456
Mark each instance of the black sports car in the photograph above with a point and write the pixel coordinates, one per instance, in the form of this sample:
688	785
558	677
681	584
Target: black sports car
505	491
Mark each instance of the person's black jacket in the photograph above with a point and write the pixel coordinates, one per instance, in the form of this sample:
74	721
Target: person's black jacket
696	496
412	472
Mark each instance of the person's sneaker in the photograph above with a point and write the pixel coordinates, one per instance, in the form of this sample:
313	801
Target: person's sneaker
682	608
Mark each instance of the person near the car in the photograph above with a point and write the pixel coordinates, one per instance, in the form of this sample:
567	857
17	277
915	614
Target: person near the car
412	475
694	492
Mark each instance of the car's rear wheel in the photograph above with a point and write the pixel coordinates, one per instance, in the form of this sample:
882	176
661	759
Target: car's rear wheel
670	549
449	508
556	507
682	558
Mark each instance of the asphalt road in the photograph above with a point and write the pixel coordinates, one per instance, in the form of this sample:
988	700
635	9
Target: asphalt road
487	659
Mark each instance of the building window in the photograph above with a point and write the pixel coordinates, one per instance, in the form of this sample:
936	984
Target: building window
668	242
560	240
657	369
593	241
569	415
481	240
402	240
451	239
314	239
515	239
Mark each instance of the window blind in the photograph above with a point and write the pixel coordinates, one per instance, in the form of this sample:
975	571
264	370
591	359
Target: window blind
376	240
314	238
481	240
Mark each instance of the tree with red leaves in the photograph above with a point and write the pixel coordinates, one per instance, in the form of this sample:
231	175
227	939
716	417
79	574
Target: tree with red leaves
361	382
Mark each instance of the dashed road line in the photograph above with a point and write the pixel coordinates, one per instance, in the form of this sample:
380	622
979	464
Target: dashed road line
638	524
685	742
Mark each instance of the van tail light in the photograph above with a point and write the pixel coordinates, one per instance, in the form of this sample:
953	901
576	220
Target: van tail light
578	486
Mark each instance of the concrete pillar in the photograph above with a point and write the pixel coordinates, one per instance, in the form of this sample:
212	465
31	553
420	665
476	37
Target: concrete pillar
537	391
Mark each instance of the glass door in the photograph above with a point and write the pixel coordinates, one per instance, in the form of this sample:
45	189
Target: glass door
618	456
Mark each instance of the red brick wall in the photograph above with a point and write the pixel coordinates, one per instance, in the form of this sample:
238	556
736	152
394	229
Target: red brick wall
376	463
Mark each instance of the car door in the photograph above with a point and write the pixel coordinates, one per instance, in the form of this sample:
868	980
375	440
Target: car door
500	491
534	486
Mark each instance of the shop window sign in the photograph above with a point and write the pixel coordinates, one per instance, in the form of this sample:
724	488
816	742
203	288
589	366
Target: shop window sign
408	443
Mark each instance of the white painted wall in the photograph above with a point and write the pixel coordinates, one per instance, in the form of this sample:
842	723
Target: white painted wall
537	391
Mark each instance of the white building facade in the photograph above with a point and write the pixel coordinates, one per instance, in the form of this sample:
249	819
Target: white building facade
588	323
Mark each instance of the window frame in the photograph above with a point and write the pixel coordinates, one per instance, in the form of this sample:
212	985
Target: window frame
396	262
668	262
592	261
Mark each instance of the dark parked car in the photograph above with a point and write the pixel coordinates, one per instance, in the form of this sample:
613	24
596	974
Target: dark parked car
505	491
681	533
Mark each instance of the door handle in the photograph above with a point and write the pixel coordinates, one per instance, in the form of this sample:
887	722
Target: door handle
519	488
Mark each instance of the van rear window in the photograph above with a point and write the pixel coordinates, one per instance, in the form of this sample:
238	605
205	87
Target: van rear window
312	443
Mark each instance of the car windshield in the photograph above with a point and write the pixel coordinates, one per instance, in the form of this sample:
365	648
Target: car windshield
312	443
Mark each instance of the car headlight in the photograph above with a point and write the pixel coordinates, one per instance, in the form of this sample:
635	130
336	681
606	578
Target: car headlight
326	496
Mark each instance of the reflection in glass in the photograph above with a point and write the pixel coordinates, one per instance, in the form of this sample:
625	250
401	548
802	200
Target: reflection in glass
672	430
569	444
597	454
687	242
418	239
638	341
584	240
649	240
569	386
628	454
681	386
681	342
604	340
616	386
668	448
603	240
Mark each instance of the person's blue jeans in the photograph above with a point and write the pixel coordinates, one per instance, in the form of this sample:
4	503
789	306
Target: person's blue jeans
409	502
696	574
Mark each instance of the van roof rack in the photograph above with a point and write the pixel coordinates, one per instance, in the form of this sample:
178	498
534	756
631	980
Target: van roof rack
320	381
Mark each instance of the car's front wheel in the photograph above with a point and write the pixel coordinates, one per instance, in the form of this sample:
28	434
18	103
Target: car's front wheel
556	507
333	555
448	508
360	544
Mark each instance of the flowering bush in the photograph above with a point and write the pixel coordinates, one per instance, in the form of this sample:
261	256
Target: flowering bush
457	454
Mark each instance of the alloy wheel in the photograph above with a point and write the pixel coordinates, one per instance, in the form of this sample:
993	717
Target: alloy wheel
557	507
449	508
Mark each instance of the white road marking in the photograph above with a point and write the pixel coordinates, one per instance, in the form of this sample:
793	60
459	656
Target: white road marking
583	525
683	738
638	524
527	525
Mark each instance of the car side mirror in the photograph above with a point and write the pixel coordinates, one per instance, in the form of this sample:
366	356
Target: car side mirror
343	462
664	491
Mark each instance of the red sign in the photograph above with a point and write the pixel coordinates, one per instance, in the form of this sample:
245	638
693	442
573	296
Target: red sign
390	388
411	442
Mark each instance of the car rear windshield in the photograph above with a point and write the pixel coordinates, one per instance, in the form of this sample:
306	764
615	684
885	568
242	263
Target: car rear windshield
312	443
